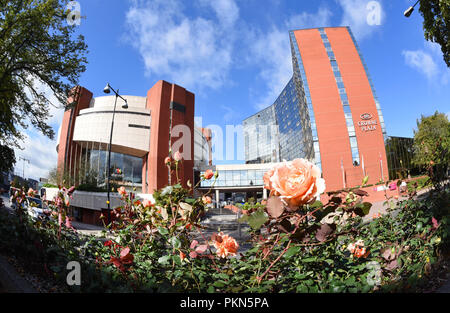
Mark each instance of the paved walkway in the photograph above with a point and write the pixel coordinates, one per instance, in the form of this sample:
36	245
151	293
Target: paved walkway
11	281
446	287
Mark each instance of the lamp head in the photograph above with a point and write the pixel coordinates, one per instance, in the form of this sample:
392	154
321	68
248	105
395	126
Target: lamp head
107	89
125	106
408	12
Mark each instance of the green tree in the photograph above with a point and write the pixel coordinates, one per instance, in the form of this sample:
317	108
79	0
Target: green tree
436	24
432	145
37	48
8	158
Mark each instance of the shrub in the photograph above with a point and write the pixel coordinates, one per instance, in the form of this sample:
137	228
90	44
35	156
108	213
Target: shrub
299	244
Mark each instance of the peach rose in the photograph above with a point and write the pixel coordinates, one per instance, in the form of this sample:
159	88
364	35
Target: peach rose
167	160
297	182
209	174
206	199
376	215
177	156
147	203
225	245
122	191
358	249
266	178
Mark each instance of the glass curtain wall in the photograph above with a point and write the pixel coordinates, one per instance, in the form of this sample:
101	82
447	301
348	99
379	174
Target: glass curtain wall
399	153
125	170
237	178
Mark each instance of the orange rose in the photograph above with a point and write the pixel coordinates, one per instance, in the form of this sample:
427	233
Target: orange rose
122	191
147	203
297	182
225	245
266	178
358	249
209	174
361	252
206	199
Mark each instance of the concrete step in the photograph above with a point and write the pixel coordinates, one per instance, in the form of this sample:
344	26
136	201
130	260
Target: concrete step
222	221
222	211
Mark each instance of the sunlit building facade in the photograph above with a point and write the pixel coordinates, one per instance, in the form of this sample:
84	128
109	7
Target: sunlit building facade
141	138
328	112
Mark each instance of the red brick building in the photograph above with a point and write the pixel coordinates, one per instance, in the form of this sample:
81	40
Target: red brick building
85	129
327	113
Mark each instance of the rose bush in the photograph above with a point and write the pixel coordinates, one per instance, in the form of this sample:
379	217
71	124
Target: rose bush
297	182
298	243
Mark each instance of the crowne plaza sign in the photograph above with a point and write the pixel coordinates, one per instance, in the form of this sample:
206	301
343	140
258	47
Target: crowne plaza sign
367	123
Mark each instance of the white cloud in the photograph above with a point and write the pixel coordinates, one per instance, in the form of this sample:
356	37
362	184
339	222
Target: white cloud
429	62
421	61
310	20
230	114
56	109
226	11
434	48
40	151
363	16
272	52
439	59
195	52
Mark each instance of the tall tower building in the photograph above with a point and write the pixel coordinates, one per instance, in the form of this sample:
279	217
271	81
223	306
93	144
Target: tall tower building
327	113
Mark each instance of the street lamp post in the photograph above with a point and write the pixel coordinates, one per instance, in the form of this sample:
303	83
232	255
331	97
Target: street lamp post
408	11
108	89
23	166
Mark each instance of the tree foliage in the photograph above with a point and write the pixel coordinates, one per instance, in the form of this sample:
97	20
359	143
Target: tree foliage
432	144
8	158
37	49
436	24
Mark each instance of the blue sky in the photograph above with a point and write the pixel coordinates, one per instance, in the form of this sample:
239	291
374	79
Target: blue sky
235	56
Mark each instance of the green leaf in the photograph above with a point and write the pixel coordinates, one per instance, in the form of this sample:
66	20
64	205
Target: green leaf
176	243
189	200
419	226
219	284
291	251
164	259
257	219
364	208
308	260
316	205
166	190
302	288
162	230
223	276
365	180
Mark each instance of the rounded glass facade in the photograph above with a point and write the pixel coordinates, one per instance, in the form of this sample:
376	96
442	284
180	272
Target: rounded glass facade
125	170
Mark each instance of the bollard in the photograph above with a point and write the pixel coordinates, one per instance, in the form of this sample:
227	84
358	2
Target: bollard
239	223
